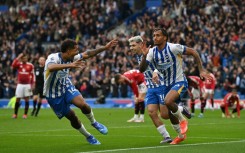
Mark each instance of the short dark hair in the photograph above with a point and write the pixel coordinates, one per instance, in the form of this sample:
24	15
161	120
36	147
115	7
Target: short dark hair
117	77
67	44
164	31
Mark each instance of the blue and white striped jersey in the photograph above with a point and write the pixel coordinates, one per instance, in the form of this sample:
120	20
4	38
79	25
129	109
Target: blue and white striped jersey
148	73
55	82
168	62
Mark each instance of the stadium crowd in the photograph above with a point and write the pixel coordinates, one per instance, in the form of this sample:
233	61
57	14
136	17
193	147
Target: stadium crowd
214	28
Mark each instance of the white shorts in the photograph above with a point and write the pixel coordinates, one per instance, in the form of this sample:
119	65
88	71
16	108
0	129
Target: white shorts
23	90
209	91
142	88
195	93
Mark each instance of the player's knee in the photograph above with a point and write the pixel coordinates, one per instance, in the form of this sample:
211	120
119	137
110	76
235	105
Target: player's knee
86	109
152	114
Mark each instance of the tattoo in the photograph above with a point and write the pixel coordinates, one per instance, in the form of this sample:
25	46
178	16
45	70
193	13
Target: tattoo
91	53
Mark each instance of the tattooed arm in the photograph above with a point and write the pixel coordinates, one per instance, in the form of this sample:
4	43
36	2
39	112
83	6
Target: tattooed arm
91	53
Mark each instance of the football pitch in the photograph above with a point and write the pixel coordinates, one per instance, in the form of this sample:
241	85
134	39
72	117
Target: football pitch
48	134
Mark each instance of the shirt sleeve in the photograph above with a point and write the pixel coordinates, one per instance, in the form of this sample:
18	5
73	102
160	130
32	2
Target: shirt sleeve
177	48
51	59
77	57
149	56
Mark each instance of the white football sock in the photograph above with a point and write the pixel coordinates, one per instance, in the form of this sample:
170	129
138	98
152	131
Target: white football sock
84	131
162	130
176	127
179	115
90	116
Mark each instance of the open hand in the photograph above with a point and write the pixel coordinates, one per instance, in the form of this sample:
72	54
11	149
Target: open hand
145	49
111	44
79	64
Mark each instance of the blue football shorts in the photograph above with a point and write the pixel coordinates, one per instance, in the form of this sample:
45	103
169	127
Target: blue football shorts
157	95
180	87
61	105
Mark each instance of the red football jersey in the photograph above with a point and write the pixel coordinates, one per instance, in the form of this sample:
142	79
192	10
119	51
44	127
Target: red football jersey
230	101
136	78
195	82
210	84
25	72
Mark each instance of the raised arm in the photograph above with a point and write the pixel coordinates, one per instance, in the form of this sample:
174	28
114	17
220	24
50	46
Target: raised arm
143	63
91	53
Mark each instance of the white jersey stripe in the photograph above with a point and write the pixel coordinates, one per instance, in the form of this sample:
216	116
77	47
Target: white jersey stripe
55	83
168	62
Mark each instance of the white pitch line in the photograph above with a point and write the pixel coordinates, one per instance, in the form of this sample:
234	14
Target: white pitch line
145	148
137	136
120	127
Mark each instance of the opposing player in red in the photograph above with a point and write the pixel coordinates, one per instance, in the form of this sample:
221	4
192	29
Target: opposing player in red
135	79
195	90
26	81
209	85
231	101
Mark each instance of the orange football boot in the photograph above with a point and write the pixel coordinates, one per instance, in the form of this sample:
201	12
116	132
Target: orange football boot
183	126
177	140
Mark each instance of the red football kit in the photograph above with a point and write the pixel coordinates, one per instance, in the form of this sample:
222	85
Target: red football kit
230	101
210	84
25	72
135	78
196	81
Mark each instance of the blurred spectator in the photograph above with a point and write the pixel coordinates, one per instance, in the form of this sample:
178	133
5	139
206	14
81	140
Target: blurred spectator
213	28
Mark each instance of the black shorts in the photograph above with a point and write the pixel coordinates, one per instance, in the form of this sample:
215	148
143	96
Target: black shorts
39	92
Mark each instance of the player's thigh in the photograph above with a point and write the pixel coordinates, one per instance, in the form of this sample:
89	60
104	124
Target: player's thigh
79	101
175	92
141	96
164	112
172	96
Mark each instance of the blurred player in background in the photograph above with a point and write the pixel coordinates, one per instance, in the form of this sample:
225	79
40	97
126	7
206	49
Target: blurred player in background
231	101
38	91
25	83
61	93
137	83
195	91
168	59
209	85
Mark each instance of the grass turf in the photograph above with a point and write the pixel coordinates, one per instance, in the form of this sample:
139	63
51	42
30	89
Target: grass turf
47	134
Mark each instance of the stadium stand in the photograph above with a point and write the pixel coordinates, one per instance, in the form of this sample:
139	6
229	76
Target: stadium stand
213	28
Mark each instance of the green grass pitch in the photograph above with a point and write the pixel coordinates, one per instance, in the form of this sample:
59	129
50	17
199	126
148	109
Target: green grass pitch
48	134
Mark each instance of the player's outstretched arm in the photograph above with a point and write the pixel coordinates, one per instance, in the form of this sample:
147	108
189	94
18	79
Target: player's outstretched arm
91	53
